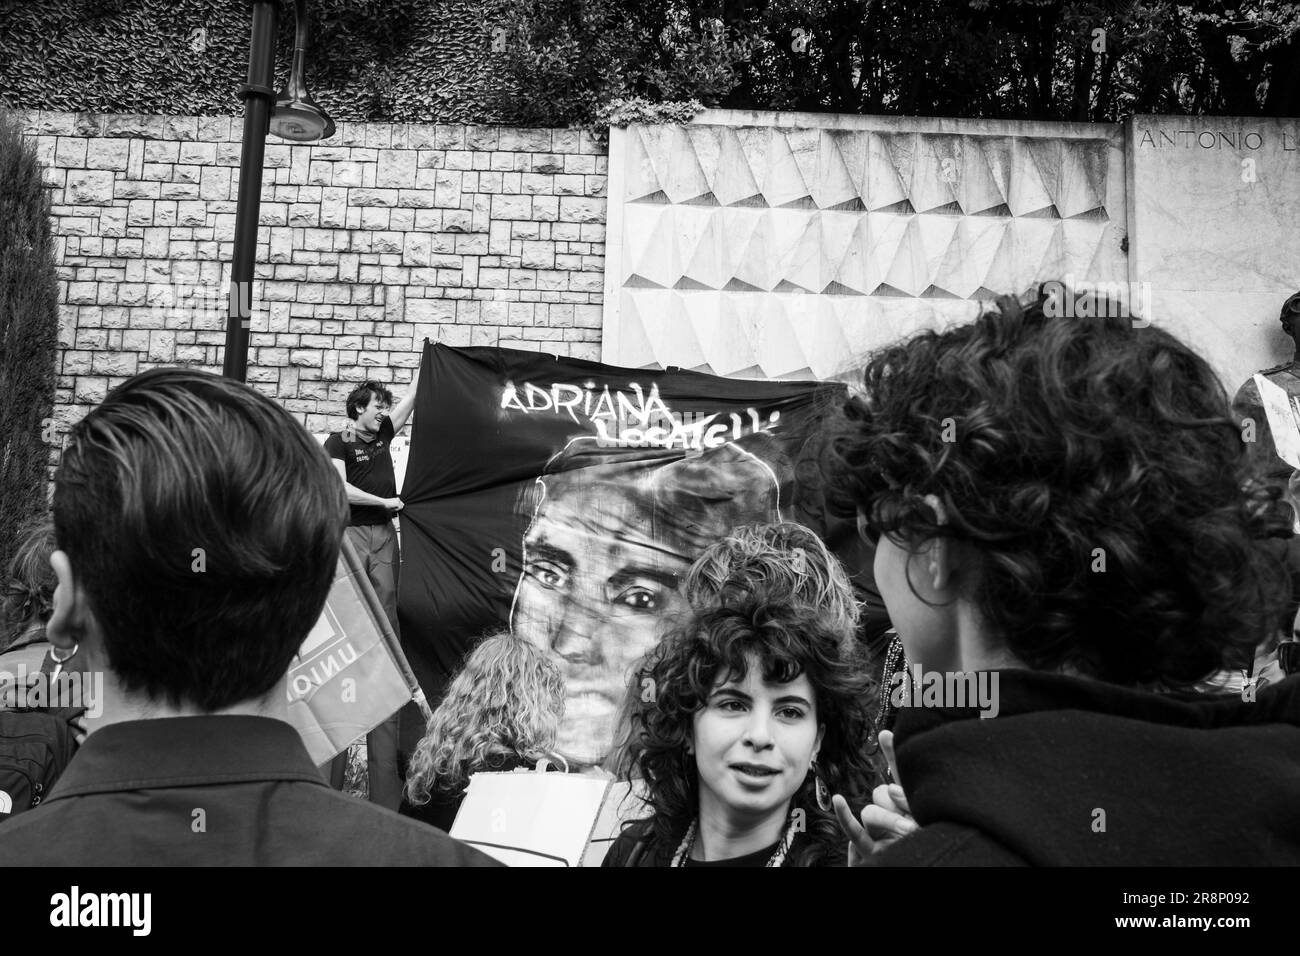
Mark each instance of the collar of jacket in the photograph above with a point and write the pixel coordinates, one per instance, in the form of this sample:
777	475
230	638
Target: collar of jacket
186	751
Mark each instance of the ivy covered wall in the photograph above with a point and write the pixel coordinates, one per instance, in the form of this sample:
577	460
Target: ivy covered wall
403	60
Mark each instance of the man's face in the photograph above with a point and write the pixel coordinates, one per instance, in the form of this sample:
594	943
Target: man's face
595	589
374	413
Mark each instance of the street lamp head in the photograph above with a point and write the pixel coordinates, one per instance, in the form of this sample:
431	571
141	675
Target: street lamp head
300	120
296	116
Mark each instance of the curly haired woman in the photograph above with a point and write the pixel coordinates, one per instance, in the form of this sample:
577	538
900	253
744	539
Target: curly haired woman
1059	507
502	711
759	712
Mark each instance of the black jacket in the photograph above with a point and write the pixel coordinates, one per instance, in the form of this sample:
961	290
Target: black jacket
1078	772
441	810
636	846
212	791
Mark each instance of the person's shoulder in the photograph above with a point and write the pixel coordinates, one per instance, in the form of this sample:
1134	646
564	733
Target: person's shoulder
947	844
334	444
386	429
28	651
381	836
33	838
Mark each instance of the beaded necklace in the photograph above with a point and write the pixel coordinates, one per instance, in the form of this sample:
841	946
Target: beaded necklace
782	848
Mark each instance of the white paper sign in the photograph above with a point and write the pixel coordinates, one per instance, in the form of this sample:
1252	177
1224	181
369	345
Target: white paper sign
528	818
1283	412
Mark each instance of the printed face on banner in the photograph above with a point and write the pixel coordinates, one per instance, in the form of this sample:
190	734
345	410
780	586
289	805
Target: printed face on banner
603	563
595	588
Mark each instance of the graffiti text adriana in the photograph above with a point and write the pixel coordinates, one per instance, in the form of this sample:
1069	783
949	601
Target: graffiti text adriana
635	417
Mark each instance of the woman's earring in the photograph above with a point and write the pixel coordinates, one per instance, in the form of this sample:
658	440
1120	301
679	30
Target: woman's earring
823	792
60	661
54	654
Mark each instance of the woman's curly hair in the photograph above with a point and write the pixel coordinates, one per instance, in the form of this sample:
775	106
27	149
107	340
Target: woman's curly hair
29	582
1096	468
504	705
779	559
714	645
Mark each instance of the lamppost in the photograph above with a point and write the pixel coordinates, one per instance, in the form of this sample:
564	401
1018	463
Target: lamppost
290	114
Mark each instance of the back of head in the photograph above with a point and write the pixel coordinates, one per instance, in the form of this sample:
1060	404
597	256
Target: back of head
504	704
784	561
29	582
204	524
1096	470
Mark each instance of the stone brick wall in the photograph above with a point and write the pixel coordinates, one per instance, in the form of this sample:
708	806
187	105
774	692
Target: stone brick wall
368	243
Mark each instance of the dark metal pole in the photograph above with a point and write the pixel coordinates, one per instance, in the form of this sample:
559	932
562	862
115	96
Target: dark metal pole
259	99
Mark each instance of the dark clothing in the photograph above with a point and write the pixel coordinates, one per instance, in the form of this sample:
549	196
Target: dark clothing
369	466
212	791
33	652
439	812
758	858
442	807
376	547
1078	772
637	846
381	558
383	779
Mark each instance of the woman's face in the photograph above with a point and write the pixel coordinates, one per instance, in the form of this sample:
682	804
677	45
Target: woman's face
754	744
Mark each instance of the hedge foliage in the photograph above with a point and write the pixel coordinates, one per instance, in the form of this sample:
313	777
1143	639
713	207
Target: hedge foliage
29	325
401	60
564	62
520	62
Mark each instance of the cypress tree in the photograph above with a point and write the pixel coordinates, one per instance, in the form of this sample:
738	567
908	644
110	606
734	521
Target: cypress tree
29	321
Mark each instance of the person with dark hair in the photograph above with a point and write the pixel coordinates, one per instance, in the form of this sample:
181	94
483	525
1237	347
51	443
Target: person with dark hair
786	558
362	455
1061	512
753	713
199	529
782	561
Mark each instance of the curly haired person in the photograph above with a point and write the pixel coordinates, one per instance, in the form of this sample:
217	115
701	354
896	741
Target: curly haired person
759	711
1059	510
501	712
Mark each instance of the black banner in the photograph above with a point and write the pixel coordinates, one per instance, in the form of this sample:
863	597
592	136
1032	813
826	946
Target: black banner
566	499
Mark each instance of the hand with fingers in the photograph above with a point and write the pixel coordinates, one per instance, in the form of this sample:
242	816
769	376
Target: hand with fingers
886	820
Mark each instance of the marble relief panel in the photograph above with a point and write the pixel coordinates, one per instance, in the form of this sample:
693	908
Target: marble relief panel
786	251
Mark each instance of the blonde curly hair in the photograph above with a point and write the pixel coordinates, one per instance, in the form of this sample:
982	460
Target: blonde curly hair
505	704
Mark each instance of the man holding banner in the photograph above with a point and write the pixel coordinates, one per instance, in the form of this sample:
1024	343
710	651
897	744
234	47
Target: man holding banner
362	456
